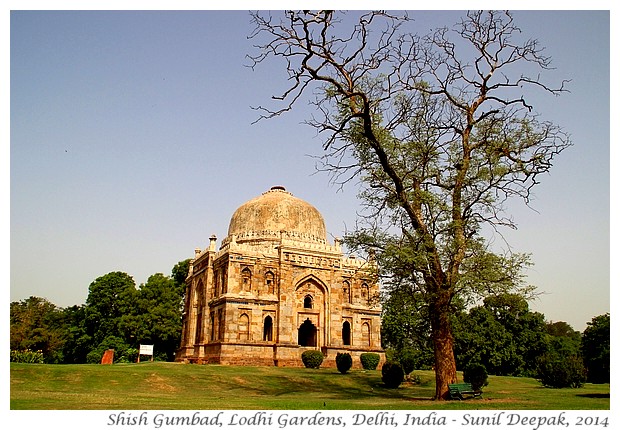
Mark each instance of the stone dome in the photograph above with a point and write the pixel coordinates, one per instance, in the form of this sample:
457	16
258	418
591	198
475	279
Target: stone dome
274	214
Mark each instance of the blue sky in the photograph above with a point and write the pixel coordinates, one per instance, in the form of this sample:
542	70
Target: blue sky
131	142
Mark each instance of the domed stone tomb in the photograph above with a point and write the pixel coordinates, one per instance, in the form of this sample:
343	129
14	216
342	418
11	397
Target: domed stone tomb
275	288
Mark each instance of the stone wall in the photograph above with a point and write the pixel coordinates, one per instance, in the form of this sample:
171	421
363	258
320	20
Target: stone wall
245	304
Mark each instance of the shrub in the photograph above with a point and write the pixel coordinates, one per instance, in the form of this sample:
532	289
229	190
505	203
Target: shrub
408	360
129	355
122	352
476	374
561	372
27	356
343	362
312	359
370	360
392	374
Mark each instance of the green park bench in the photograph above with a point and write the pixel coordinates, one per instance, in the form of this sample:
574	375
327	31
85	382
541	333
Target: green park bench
457	391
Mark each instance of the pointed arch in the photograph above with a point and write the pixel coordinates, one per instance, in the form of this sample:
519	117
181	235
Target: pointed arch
246	279
199	304
216	283
213	326
243	327
346	333
346	291
366	334
365	294
268	329
199	294
313	279
270	283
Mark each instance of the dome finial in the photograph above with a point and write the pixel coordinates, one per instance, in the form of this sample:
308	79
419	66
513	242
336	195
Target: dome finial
278	188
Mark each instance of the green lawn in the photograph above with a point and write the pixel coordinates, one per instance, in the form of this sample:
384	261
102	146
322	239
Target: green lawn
172	386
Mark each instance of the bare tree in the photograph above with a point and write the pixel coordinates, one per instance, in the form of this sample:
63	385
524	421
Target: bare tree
438	132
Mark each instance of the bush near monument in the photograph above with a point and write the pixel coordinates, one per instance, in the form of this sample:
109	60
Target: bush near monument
343	362
408	360
392	374
312	359
370	360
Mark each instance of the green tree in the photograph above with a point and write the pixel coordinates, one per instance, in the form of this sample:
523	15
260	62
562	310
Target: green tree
110	307
159	314
503	335
526	328
595	349
179	274
563	339
480	338
405	326
439	133
36	324
77	342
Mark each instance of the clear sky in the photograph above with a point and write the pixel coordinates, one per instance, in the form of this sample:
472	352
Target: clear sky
131	142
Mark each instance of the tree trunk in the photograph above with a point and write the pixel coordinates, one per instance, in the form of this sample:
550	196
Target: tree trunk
443	346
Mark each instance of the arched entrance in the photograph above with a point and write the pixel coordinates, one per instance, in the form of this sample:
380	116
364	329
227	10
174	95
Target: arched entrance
307	334
346	333
311	311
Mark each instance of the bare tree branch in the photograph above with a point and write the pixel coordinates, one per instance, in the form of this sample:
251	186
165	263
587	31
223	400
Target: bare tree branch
436	127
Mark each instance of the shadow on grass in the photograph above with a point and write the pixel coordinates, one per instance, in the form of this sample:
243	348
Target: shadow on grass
326	386
594	395
369	388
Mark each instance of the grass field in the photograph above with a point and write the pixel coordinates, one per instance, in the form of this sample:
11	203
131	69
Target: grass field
171	386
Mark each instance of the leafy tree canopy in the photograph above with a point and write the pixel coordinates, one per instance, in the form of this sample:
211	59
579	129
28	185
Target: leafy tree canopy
111	298
37	325
502	334
596	349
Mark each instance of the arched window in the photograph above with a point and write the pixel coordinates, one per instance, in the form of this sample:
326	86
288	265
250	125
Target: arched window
346	333
246	280
365	294
199	312
308	302
198	336
216	284
212	322
270	283
219	329
224	280
366	334
268	329
221	326
243	328
199	295
346	292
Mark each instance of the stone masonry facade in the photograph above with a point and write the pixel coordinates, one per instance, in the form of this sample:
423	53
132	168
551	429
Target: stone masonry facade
276	288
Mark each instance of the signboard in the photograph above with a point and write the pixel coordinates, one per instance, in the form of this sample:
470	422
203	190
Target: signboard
146	349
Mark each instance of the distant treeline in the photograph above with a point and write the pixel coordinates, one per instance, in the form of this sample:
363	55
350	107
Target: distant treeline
117	315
